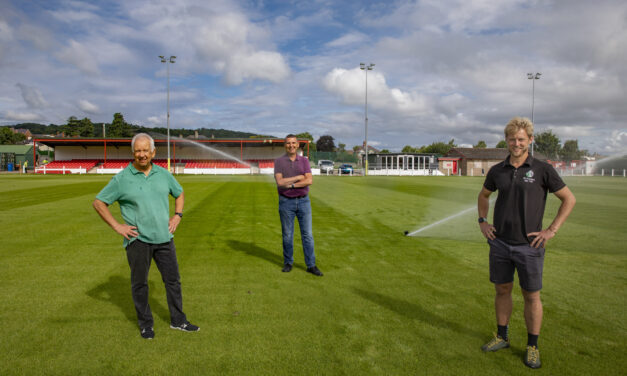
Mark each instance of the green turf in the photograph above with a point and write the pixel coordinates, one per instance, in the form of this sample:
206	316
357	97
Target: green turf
388	304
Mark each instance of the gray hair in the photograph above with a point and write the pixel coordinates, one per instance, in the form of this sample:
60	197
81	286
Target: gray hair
142	135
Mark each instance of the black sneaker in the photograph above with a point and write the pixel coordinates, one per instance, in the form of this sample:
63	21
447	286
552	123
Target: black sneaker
287	268
315	271
147	333
186	327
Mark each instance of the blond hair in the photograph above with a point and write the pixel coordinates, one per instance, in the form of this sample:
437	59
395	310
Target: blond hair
517	124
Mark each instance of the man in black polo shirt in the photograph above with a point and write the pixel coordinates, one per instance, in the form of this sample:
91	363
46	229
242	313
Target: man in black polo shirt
516	238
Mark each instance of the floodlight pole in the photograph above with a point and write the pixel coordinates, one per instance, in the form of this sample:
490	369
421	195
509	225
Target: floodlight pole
168	62
366	68
533	77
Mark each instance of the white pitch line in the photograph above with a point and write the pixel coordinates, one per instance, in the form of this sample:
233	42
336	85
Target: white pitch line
445	219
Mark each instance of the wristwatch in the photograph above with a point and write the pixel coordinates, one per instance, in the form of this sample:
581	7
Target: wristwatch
482	219
179	214
292	186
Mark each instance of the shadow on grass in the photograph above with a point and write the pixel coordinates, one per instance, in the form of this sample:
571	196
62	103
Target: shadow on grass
254	250
117	291
416	312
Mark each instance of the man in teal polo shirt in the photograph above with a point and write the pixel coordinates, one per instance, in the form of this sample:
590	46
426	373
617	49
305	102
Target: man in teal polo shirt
142	190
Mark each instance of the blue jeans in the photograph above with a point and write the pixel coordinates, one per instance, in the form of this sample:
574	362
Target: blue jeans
301	209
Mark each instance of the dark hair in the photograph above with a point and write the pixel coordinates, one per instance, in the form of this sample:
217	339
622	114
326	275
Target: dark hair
290	136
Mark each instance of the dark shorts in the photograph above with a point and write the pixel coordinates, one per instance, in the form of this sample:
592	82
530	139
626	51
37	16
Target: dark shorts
528	261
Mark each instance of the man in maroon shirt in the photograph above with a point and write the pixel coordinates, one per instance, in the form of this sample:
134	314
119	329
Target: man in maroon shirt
293	178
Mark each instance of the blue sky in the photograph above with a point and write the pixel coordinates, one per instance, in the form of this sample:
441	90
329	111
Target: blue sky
447	69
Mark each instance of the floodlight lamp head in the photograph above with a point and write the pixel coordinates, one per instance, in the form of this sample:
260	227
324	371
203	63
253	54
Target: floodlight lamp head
538	75
530	76
172	59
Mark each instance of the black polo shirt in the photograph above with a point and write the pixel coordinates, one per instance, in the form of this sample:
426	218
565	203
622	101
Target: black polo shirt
522	197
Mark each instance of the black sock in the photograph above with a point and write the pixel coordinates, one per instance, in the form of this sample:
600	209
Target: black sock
502	331
532	340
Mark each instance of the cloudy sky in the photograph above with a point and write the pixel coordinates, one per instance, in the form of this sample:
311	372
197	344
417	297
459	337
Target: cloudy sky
444	68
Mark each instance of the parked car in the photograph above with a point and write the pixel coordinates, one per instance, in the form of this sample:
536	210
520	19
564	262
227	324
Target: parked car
325	166
346	168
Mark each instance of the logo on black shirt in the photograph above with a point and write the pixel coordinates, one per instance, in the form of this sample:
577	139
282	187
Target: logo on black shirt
529	177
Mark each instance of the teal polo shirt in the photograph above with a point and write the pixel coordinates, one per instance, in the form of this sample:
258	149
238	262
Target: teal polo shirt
143	201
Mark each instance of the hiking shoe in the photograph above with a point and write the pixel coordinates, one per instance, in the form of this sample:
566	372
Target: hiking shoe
495	344
287	268
147	333
315	271
532	357
186	327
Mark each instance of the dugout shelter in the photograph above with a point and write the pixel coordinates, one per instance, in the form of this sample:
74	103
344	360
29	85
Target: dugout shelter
14	156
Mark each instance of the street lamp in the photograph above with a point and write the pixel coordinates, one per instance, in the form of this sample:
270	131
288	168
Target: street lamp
366	68
170	61
533	77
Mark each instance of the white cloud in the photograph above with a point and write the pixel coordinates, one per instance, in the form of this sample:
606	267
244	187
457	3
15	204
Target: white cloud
348	39
40	37
6	32
617	142
73	16
22	116
225	42
350	85
79	55
88	107
200	111
156	120
439	17
32	96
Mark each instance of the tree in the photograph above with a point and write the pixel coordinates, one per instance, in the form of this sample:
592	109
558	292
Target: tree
325	143
72	128
384	151
356	149
409	149
86	128
341	148
8	137
501	145
548	144
570	151
307	135
481	145
119	127
438	147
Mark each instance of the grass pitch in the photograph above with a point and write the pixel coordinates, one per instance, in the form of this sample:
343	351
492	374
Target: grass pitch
388	304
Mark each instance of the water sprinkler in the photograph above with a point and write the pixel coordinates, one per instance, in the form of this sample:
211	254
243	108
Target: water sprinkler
406	233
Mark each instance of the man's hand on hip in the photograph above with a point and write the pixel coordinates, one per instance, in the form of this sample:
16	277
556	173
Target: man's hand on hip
174	223
541	237
127	231
487	230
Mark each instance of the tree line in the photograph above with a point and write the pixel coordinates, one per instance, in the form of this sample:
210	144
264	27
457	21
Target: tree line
75	127
546	143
